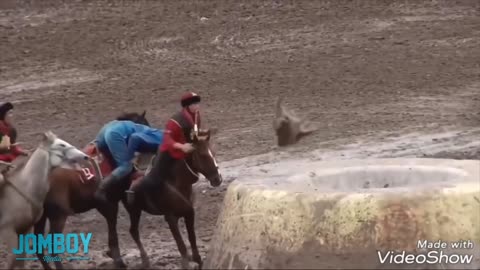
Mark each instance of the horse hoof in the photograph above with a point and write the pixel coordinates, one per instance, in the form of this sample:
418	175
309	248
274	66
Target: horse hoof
145	263
185	263
120	264
194	265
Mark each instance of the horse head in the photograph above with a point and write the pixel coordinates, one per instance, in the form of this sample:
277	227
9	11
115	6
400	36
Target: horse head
138	118
203	158
60	150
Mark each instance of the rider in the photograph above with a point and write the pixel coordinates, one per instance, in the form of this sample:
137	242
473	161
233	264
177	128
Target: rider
121	139
9	151
177	141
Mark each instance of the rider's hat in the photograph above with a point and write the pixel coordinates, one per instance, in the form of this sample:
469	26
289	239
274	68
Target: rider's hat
4	108
189	98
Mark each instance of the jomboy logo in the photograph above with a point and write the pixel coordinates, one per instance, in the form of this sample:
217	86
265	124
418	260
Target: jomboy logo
52	245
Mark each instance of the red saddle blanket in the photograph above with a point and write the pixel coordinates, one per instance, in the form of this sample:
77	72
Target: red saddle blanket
104	163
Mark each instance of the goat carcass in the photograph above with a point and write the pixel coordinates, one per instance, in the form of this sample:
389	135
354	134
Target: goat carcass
288	127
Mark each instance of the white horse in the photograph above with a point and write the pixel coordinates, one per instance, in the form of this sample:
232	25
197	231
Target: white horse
23	191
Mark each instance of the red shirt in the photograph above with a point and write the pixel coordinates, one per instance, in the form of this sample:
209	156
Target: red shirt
15	150
174	133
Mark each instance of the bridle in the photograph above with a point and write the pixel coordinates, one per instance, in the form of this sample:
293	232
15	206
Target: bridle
195	134
190	169
53	152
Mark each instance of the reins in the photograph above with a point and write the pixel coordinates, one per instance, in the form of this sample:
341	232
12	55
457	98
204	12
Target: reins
190	169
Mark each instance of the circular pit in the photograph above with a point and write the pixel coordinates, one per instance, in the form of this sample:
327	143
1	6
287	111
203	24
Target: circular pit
347	214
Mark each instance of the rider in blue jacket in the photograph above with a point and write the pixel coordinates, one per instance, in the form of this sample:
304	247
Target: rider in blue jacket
122	139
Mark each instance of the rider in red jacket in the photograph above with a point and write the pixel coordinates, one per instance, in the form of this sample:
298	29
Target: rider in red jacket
176	142
177	131
7	129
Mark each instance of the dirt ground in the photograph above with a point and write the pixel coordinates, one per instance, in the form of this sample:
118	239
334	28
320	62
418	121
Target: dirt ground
380	78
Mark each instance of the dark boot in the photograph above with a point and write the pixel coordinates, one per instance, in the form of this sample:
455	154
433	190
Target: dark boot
103	187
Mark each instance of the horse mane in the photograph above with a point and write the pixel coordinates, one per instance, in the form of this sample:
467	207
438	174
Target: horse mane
127	116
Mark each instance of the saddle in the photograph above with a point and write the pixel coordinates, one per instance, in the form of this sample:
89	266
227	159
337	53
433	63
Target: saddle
105	163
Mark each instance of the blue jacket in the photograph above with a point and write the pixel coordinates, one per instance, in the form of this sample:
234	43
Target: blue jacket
123	138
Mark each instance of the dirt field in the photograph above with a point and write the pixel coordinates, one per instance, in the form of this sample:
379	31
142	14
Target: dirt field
380	78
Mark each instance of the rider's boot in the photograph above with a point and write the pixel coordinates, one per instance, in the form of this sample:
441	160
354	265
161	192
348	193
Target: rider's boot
103	187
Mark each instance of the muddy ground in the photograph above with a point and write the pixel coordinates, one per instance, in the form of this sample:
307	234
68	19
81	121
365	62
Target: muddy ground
380	78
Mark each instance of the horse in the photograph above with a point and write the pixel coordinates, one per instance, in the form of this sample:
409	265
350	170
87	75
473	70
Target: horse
173	198
25	188
73	192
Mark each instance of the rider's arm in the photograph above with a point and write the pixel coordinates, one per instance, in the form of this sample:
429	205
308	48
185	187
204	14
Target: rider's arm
145	141
17	150
134	143
173	135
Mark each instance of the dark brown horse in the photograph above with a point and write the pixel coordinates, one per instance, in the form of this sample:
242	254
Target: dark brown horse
172	198
72	191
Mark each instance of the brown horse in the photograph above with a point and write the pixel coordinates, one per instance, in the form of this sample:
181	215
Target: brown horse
73	191
172	198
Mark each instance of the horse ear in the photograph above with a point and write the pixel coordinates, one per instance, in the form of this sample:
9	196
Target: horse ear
48	137
44	137
144	113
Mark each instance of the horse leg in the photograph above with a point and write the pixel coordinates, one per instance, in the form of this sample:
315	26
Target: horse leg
110	212
10	237
134	221
39	228
190	224
11	240
173	225
57	224
21	263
